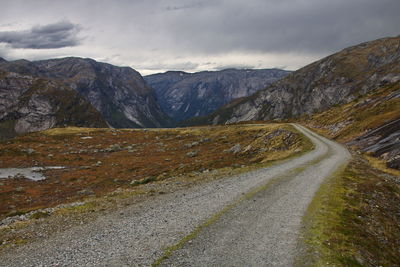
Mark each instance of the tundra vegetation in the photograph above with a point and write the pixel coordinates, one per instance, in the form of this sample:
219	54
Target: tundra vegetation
108	168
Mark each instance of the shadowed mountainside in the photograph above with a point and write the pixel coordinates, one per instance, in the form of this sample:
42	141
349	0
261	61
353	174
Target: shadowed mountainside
184	95
119	93
29	104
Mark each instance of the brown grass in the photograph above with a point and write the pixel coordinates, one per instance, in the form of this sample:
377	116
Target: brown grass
139	157
376	111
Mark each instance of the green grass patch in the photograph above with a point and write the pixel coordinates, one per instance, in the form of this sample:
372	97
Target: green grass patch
144	181
354	220
16	213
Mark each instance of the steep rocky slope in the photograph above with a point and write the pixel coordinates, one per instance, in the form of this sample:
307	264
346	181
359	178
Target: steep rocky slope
29	104
370	123
334	80
119	93
184	95
354	96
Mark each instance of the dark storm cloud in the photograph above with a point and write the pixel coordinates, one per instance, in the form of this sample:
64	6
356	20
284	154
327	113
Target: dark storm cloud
310	26
163	34
56	35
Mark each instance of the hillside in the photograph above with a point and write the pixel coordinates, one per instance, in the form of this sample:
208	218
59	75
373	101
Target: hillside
184	95
353	95
370	123
334	80
119	93
29	104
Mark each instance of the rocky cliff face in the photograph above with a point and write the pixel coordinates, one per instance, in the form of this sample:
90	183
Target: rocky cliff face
370	123
29	104
382	142
119	93
184	95
334	80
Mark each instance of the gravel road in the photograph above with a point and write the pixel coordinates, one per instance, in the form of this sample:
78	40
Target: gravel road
257	229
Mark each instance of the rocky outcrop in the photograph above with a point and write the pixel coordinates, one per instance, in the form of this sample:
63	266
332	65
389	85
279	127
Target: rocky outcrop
184	95
119	93
382	142
334	80
29	104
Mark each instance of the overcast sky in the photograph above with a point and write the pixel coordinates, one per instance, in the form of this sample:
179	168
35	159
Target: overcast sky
158	35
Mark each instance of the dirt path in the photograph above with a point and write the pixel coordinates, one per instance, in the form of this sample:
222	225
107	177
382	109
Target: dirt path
249	219
263	230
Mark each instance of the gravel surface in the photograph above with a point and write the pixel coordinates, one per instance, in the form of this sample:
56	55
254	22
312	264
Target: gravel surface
262	230
258	231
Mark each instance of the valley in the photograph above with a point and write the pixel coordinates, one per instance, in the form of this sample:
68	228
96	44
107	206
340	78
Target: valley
290	168
186	95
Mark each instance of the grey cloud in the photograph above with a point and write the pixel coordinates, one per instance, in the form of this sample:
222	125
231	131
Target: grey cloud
152	34
56	35
312	26
235	66
187	6
171	66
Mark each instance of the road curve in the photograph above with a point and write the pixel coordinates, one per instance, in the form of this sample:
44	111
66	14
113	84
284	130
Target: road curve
252	219
263	230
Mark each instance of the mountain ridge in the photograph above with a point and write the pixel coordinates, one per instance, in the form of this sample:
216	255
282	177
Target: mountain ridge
119	93
348	95
29	104
184	95
333	80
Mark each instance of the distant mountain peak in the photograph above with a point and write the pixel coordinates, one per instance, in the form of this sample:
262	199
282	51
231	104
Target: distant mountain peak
184	95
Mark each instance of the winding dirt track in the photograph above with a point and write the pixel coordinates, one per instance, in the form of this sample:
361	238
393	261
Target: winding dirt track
252	219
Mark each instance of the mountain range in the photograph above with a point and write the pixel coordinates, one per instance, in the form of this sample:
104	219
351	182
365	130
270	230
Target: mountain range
352	95
334	80
119	93
185	95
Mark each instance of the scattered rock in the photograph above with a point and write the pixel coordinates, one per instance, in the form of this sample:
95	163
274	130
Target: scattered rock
394	162
29	151
191	145
113	148
192	154
247	148
86	192
205	140
235	149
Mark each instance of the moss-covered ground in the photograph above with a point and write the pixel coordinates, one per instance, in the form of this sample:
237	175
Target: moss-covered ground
354	219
